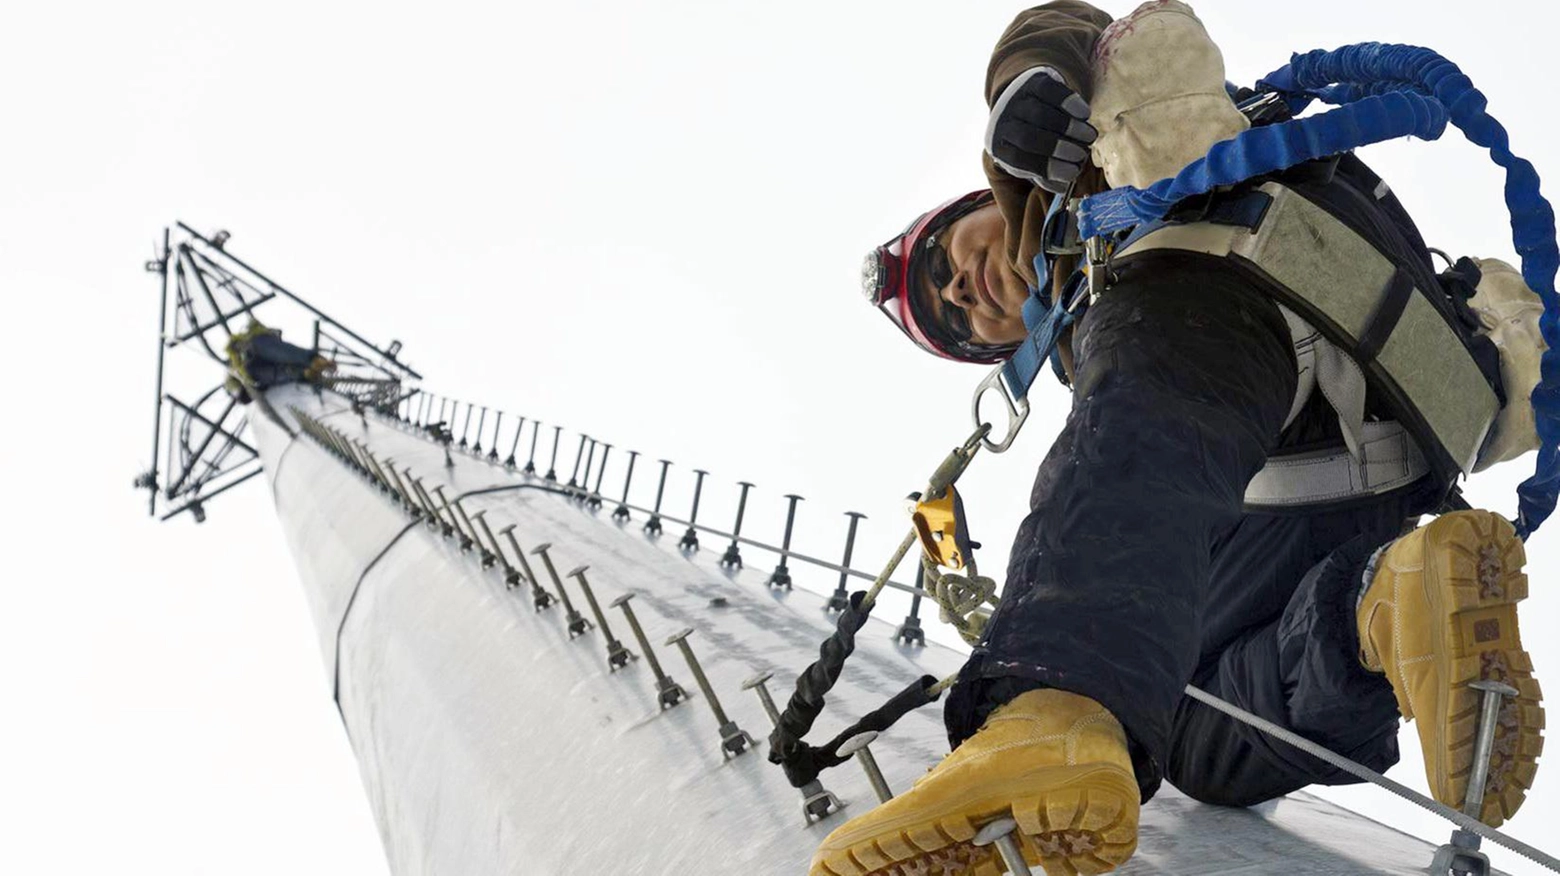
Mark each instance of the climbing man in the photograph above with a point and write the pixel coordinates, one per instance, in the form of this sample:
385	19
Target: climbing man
258	358
1233	500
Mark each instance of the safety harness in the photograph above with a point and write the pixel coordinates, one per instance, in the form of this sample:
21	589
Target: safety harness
1346	304
1389	327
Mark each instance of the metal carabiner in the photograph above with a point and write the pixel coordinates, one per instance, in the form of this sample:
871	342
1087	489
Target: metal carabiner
1017	407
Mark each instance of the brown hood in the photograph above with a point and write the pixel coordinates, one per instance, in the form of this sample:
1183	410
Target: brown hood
1060	35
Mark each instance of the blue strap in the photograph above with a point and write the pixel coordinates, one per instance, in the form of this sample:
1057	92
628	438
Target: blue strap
1387	91
1265	150
1361	69
1046	321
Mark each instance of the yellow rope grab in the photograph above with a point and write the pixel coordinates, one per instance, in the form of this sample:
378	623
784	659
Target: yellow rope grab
962	599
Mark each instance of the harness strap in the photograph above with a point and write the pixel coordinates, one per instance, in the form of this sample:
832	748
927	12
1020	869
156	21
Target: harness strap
1394	301
1388	458
1336	280
1268	149
1387	91
1045	324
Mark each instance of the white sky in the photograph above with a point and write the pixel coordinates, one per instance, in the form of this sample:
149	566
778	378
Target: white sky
639	220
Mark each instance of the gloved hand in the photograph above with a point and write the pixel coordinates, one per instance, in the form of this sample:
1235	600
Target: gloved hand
1039	130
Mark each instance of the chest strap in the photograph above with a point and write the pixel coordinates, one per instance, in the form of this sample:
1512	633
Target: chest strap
1337	281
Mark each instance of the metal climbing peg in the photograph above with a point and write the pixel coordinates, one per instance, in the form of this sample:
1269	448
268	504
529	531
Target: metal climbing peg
817	801
1461	856
860	746
496	555
620	513
590	459
781	576
530	461
1494	693
476	539
578	455
378	471
669	693
465	540
617	655
594	502
552	467
653	525
366	463
1003	833
732	558
539	595
733	739
578	625
411	501
839	600
435	519
690	539
515	445
759	683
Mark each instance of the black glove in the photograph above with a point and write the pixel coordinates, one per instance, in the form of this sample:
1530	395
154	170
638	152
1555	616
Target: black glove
1039	130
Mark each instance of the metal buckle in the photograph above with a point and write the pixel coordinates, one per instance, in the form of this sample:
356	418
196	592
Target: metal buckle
1099	252
1264	108
1059	235
1017	407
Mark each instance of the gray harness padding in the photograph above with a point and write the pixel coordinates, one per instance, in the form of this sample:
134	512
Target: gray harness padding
1357	321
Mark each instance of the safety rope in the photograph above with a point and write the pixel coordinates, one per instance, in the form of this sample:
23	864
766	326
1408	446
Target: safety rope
1361	771
788	748
961	599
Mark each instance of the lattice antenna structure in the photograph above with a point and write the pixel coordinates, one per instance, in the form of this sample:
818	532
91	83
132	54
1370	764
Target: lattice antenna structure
209	297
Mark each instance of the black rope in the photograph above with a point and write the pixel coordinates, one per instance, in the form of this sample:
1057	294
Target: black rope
802	762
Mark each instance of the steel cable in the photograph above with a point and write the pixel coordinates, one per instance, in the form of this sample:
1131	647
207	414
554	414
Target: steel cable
1361	771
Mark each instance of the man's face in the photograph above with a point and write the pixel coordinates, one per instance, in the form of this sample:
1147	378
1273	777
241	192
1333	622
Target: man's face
965	282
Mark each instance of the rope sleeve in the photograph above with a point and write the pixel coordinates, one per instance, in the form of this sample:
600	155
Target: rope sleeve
786	747
804	762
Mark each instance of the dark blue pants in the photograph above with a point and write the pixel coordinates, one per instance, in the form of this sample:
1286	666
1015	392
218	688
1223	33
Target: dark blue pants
1137	570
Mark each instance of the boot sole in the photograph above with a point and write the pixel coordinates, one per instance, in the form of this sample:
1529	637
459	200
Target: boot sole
1071	820
1474	580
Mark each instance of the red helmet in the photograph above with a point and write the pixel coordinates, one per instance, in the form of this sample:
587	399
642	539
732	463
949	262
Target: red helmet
888	275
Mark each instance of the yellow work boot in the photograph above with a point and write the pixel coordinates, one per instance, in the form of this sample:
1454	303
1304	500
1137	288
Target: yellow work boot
1440	612
1054	761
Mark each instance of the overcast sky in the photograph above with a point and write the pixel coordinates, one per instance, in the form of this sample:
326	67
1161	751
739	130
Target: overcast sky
643	221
